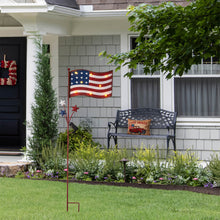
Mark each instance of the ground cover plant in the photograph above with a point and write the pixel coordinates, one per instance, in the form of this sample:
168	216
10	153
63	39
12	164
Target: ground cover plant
37	199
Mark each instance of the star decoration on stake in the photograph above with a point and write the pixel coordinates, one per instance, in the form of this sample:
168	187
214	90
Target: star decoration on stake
75	108
63	112
62	103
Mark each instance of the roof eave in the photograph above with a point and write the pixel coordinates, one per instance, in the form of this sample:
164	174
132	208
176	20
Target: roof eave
60	10
23	8
74	12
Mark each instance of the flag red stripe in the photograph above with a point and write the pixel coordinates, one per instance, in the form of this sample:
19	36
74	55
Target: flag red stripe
103	85
94	73
87	94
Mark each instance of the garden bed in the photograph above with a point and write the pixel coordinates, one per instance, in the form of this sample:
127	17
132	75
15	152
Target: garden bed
197	189
205	190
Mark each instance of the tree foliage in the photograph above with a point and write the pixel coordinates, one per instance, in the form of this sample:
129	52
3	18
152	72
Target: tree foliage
44	109
171	37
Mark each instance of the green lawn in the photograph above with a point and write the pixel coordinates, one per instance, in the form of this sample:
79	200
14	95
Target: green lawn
30	199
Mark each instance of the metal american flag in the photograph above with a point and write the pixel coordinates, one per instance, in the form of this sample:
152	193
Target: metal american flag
89	83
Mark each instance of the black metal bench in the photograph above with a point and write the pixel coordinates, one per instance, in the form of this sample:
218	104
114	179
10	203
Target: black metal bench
160	119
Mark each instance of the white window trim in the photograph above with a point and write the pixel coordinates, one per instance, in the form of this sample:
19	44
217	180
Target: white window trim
201	122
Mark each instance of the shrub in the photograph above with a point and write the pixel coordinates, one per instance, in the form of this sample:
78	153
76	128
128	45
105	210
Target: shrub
113	168
148	164
82	135
52	161
85	161
214	167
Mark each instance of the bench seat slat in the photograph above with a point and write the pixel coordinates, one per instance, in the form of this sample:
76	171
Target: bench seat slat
141	136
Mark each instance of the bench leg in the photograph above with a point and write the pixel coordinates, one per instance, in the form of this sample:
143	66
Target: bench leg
116	141
174	143
108	141
168	141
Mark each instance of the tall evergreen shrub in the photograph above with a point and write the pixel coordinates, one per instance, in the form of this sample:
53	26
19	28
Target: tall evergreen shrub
44	109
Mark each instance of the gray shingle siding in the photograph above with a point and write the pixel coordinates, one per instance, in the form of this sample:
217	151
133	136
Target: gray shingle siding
82	52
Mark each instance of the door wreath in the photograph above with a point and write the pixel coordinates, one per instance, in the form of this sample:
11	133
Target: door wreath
12	69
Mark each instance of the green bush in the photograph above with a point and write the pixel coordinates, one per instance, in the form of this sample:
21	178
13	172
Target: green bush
53	161
112	167
85	161
214	167
82	135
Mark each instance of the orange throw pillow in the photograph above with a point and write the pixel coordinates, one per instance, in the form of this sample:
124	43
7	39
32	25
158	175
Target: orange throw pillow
139	127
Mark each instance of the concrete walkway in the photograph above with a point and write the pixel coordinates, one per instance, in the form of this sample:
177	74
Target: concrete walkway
6	156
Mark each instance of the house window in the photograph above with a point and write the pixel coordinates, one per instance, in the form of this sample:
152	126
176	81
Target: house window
197	93
145	89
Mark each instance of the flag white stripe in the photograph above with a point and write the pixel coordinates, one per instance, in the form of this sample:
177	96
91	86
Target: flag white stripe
91	87
100	77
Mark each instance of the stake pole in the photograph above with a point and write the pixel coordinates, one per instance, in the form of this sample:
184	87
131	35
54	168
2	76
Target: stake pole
68	120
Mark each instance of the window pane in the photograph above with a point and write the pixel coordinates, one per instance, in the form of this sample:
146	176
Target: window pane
197	96
145	92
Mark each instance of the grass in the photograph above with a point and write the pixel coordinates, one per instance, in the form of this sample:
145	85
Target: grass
34	199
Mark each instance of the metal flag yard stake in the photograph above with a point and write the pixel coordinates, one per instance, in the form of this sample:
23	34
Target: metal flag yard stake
66	113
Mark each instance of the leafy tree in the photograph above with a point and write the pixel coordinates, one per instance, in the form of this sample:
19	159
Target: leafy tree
44	109
172	37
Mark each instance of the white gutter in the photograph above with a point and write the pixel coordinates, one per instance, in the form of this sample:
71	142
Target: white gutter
105	13
78	13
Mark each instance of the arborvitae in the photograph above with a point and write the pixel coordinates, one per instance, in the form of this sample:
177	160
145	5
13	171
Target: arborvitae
44	109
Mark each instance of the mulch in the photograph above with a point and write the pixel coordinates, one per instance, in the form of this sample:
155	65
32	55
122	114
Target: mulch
204	190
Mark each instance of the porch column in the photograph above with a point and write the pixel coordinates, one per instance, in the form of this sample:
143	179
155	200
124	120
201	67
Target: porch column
30	81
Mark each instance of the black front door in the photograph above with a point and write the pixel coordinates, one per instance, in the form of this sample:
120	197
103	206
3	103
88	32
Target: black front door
12	94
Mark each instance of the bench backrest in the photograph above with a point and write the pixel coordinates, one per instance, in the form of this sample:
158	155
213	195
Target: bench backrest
160	119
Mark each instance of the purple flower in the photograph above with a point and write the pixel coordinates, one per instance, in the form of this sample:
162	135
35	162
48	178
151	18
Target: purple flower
96	177
28	177
105	178
209	185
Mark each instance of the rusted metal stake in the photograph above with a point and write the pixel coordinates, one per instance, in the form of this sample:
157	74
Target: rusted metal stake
77	204
68	118
68	114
